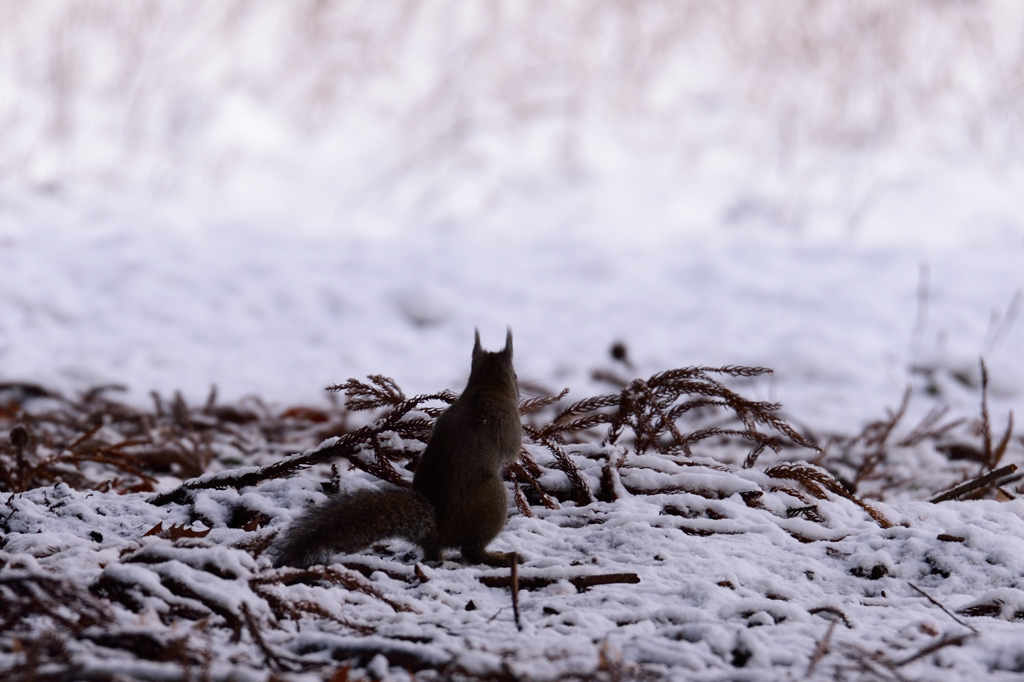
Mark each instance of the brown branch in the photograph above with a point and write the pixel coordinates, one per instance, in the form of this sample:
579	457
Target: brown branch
974	484
513	560
947	611
582	582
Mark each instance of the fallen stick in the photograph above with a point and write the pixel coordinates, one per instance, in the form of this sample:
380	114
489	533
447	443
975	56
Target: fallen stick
937	603
581	582
514	579
972	485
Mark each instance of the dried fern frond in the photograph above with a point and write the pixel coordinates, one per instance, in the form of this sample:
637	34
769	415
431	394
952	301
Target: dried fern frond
580	487
33	592
929	427
817	480
382	391
652	409
587	405
329	575
540	402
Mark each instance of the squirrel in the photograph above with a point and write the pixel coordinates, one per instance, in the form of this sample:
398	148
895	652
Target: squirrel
458	499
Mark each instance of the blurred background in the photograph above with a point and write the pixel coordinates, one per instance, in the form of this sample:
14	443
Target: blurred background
820	118
274	196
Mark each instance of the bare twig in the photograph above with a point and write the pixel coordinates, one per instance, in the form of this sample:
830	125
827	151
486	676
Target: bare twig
941	643
821	649
513	560
947	611
974	484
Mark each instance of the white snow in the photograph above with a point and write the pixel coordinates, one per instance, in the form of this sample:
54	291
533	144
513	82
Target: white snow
752	585
275	198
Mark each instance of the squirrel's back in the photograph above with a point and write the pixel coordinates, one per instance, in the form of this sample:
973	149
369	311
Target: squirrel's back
473	441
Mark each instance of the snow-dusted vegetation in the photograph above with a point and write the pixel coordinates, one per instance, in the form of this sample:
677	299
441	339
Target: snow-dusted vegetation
663	199
652	543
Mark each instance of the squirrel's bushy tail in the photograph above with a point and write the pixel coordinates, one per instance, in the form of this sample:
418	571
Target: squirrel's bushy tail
349	523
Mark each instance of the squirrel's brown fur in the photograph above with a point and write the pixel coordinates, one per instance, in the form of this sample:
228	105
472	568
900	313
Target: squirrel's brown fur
457	497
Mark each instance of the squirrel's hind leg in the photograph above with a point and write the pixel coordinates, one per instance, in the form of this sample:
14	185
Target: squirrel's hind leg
433	554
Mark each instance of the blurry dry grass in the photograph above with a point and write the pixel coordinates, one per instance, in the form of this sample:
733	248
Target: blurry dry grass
103	90
889	461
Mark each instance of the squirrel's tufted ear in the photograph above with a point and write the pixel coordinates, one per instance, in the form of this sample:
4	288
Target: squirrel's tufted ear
476	343
508	341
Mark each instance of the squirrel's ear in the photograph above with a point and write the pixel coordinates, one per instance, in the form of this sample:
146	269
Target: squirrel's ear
476	343
508	341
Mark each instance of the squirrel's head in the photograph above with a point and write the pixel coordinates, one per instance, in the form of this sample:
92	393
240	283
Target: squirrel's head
493	366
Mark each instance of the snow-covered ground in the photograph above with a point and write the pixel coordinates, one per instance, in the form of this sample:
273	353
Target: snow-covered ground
725	593
276	197
282	315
